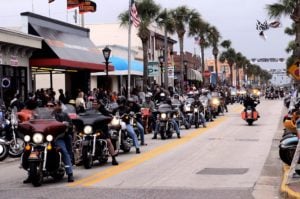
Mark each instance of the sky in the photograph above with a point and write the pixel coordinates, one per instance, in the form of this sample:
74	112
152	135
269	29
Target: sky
235	20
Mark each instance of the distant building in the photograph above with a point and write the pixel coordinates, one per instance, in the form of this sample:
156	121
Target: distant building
279	77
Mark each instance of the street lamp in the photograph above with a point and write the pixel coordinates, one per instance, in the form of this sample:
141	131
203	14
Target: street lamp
185	63
161	61
106	54
215	52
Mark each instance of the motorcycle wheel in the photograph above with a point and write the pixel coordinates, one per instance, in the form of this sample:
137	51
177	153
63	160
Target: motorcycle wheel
36	174
250	122
286	155
3	151
17	149
126	147
87	158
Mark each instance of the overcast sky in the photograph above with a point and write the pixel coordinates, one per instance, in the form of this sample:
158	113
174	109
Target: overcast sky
235	19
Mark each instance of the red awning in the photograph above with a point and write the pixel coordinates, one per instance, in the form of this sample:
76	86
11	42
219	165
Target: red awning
69	64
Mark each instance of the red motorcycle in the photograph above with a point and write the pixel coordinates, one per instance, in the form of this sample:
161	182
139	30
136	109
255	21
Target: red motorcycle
249	115
41	158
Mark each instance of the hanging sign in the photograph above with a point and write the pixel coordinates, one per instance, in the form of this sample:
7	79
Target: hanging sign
87	6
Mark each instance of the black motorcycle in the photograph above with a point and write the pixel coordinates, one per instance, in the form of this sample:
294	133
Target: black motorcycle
41	157
90	125
164	115
119	136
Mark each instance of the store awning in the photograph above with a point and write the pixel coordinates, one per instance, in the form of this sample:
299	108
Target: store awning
121	67
68	51
194	75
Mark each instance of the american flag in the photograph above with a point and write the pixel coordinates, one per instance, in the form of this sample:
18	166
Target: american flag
134	15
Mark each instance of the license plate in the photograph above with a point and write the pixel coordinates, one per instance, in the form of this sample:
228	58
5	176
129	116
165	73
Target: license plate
33	155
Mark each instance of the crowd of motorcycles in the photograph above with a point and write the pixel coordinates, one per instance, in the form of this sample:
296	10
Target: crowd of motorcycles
31	134
291	131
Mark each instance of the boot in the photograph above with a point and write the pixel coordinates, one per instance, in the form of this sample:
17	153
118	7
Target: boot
70	177
178	136
138	150
154	137
114	161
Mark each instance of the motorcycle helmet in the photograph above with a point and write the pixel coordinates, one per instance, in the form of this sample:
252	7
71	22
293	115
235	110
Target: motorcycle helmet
147	97
162	96
190	94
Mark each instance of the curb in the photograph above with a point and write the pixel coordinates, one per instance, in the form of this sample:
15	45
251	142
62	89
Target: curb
285	189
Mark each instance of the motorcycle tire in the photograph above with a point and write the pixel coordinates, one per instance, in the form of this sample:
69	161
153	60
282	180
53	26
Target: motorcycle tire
3	151
286	155
126	147
250	122
187	125
196	125
87	158
36	174
16	151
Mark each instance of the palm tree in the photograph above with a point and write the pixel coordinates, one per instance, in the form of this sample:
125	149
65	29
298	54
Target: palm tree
148	11
287	8
241	61
229	55
181	16
213	38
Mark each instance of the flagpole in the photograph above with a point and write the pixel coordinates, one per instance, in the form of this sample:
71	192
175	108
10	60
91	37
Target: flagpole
129	49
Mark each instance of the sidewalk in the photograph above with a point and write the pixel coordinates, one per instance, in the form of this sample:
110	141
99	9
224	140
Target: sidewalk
293	189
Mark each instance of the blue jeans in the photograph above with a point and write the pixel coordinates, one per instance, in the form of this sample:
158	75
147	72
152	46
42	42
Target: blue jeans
65	155
132	134
202	119
173	122
142	132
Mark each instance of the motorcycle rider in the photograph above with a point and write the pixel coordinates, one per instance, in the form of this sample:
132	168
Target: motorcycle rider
64	143
101	108
198	103
123	109
150	104
134	107
250	101
164	100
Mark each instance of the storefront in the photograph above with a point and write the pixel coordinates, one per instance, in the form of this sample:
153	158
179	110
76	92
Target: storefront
66	49
15	50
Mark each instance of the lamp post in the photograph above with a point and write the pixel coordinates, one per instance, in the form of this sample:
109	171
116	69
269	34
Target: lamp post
215	52
161	61
106	54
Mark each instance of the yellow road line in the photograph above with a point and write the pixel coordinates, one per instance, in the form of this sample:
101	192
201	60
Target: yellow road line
285	188
112	171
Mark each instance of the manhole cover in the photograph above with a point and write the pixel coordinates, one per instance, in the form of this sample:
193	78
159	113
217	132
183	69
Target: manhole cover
247	140
223	171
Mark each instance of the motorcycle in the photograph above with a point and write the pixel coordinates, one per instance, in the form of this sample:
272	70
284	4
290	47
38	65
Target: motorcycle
4	145
89	126
118	134
249	115
207	113
215	103
179	116
41	157
164	115
188	109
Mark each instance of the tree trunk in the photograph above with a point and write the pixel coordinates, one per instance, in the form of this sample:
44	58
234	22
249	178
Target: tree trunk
145	60
231	75
181	63
216	65
202	64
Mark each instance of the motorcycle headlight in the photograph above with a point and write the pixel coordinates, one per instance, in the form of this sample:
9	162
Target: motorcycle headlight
196	110
26	138
163	116
88	129
187	108
38	138
115	122
216	101
49	138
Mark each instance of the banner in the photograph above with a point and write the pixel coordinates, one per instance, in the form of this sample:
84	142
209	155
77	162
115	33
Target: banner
87	6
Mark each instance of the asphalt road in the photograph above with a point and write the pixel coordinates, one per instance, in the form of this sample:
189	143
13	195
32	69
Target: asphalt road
225	160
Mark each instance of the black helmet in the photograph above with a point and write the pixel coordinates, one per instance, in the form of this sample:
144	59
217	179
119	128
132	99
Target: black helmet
121	100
